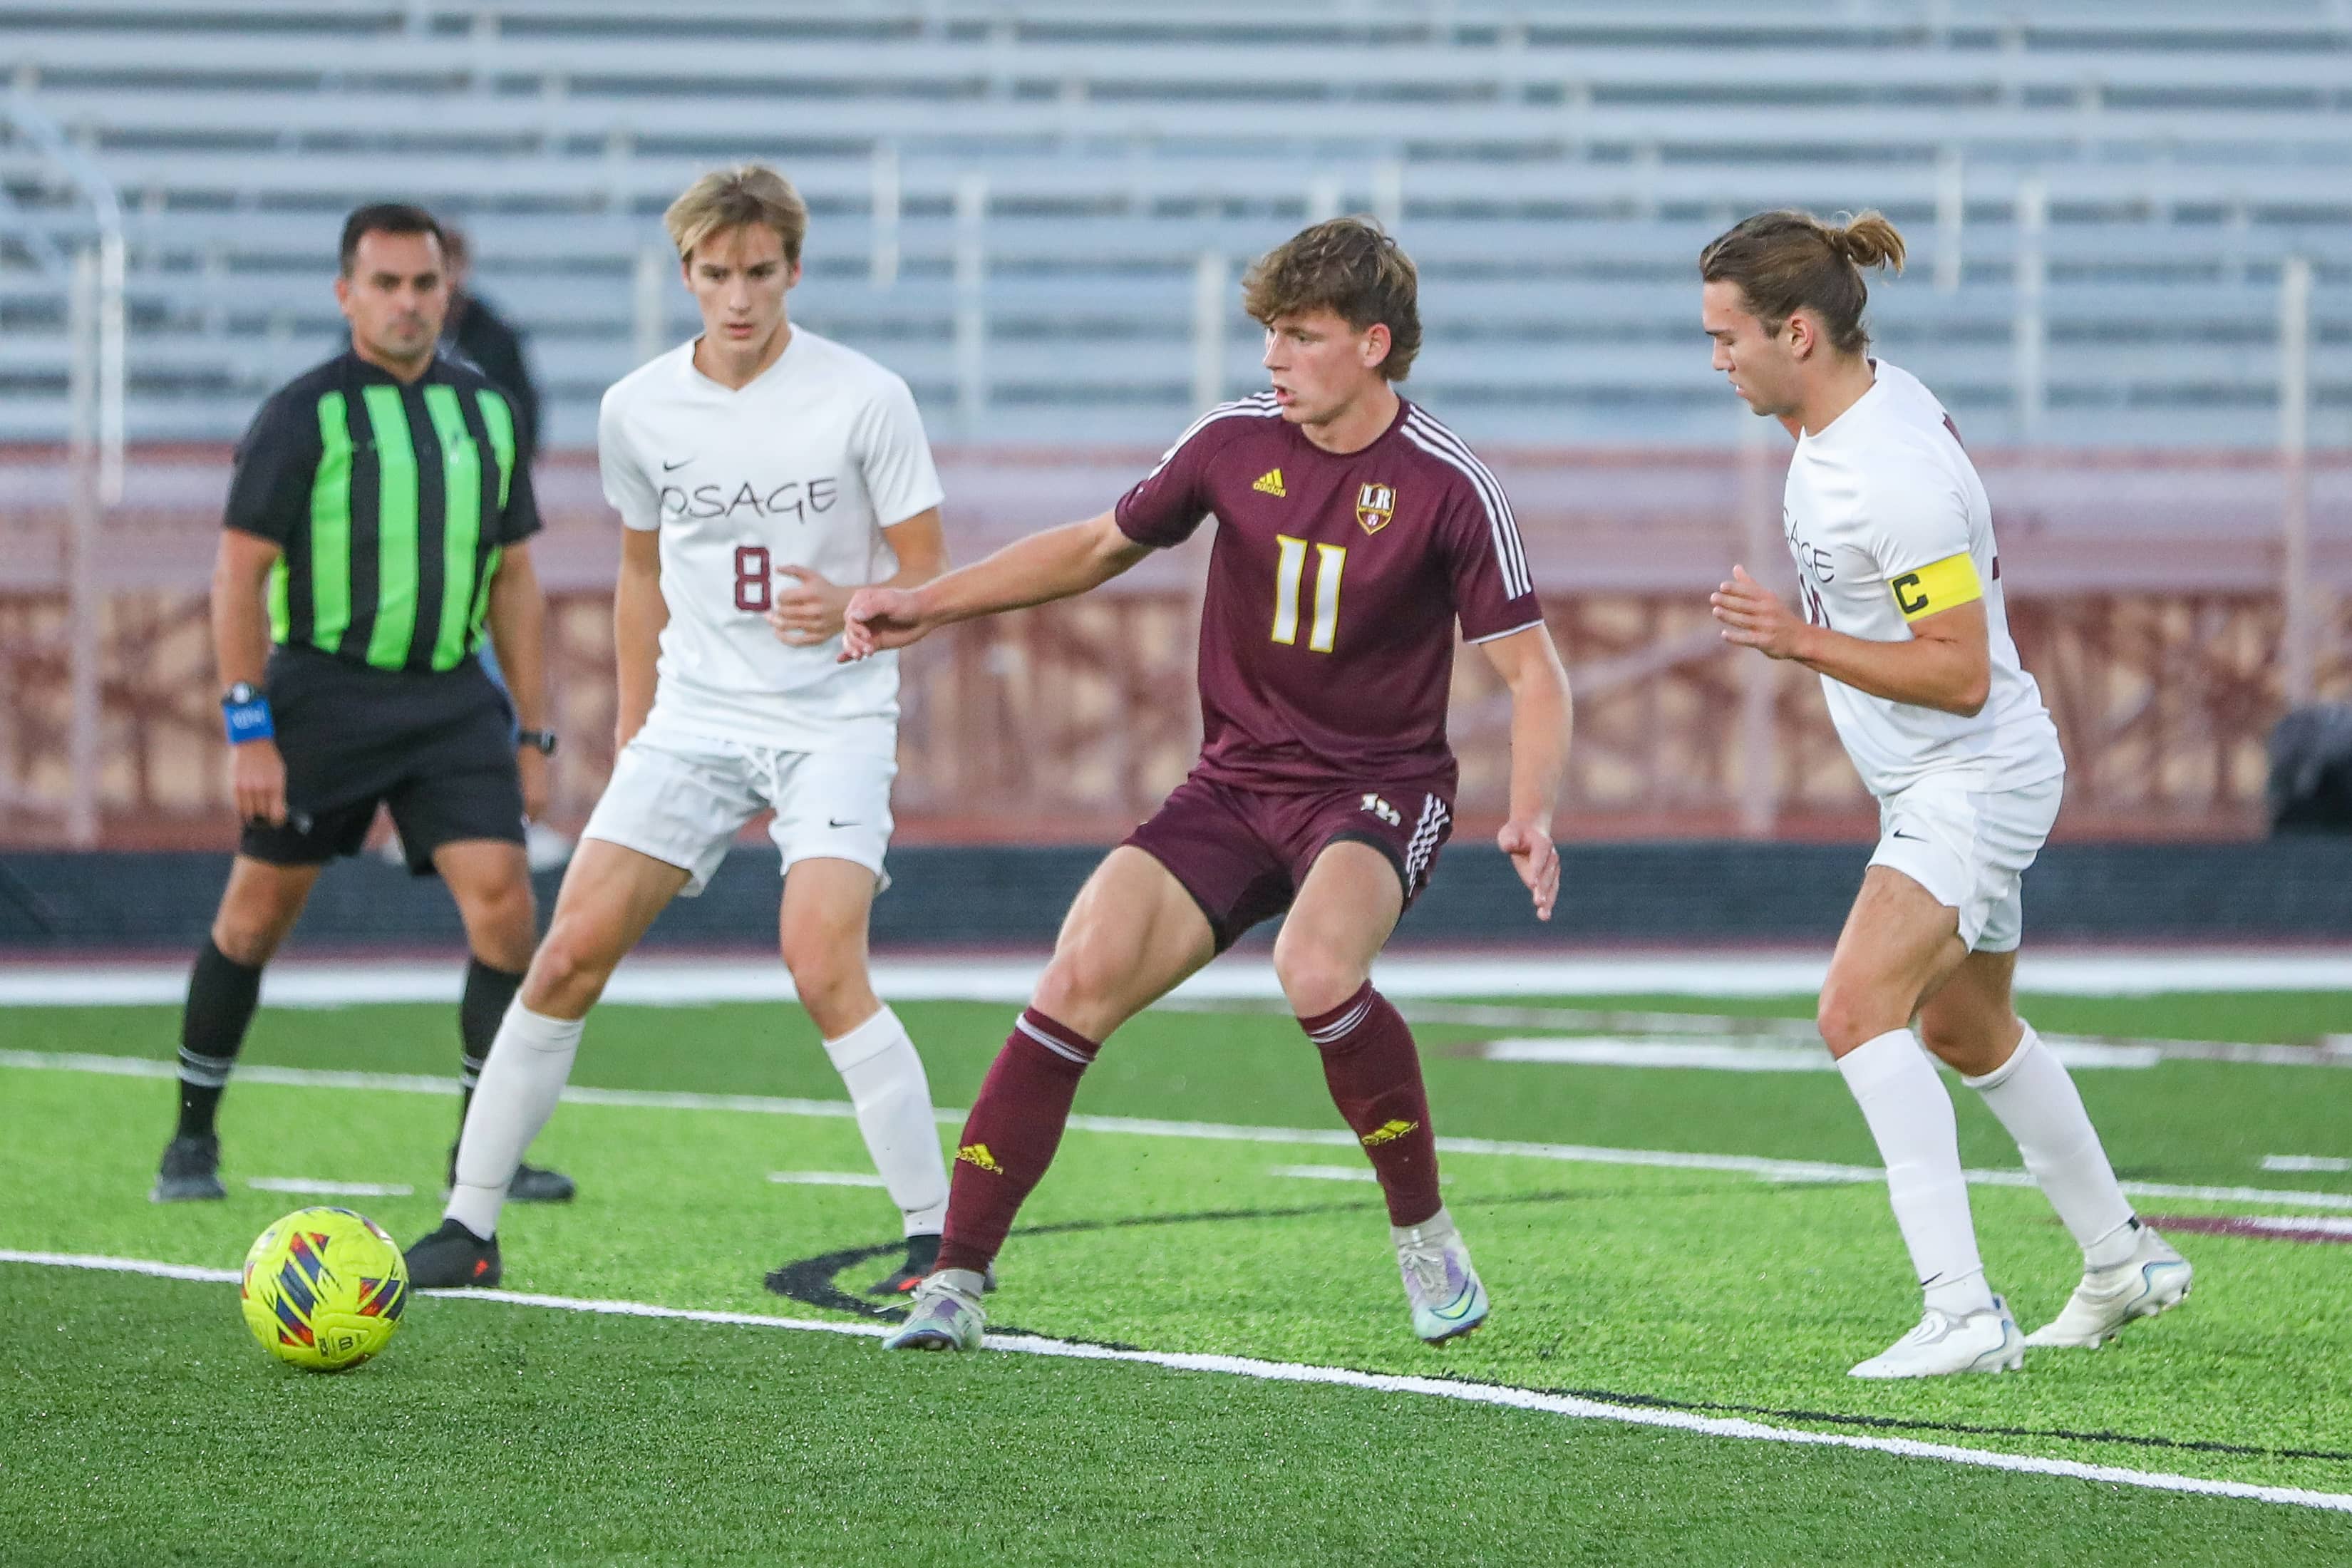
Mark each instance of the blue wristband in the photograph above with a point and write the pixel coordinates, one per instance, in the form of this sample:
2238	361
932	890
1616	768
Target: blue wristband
248	720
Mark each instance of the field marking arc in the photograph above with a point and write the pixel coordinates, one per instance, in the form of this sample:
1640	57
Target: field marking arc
1763	1167
1343	1377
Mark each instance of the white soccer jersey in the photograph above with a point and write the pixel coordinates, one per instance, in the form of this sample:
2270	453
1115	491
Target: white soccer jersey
1889	524
804	467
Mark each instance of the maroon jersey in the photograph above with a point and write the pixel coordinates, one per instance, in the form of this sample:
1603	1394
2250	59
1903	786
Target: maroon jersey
1327	636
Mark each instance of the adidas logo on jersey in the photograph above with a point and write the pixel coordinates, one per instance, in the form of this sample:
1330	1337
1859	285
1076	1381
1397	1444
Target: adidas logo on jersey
977	1154
1270	483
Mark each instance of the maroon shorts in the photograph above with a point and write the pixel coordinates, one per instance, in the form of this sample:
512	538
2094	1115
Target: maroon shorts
1242	853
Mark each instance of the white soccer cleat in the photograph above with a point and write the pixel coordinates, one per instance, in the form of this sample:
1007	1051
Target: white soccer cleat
2156	1279
1944	1343
944	1317
1439	1285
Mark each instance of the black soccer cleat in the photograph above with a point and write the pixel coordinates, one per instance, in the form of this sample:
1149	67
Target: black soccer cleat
190	1172
537	1185
452	1258
531	1183
922	1256
922	1261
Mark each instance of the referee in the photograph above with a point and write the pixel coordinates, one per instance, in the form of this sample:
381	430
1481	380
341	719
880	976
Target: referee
378	521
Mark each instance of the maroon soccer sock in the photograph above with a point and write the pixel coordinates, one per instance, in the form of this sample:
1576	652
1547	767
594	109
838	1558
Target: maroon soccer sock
1011	1135
1374	1074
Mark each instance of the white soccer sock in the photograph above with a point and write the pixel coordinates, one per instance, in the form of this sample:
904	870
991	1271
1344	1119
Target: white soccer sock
878	1066
1919	1140
2035	1099
530	1061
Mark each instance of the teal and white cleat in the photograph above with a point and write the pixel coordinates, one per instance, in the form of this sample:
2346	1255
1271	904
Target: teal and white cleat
1947	1342
945	1316
2156	1279
1439	1285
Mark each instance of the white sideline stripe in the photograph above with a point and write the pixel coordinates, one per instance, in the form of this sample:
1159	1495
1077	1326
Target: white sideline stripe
1716	1053
306	1184
826	1178
1757	1165
657	980
1341	1377
2324	1163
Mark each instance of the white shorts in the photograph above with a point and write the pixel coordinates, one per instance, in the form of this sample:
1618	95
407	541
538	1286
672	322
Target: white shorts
682	799
1969	848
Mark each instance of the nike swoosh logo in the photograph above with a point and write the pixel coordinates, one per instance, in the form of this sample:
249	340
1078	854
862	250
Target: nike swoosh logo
671	468
833	822
1914	839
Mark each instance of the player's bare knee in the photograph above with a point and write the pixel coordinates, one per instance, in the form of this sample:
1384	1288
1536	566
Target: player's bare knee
501	926
568	973
254	918
243	938
1850	1015
1314	979
1080	989
1973	1046
831	984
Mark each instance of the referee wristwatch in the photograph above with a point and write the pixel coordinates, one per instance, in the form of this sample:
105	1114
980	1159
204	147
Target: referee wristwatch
540	740
245	715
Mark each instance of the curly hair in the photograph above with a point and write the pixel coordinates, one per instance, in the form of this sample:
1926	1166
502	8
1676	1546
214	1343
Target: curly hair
1352	267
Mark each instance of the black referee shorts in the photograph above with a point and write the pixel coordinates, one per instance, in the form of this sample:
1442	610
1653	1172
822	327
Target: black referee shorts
437	748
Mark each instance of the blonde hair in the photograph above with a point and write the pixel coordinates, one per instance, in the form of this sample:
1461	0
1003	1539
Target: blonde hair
1350	266
1788	261
746	195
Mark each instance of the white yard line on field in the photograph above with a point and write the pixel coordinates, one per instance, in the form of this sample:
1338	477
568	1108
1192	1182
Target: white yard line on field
1757	1165
316	1188
660	981
1323	1173
826	1179
1341	1377
2316	1163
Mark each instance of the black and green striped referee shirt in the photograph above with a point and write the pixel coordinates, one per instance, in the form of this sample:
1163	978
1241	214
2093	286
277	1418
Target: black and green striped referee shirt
391	503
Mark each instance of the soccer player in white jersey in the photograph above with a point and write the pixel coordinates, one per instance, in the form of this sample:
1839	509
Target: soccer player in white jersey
764	473
1903	619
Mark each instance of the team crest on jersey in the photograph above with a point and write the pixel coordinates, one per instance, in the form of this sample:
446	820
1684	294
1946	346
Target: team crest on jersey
1375	504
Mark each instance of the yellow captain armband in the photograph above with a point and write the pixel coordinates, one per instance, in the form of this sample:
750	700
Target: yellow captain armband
1940	585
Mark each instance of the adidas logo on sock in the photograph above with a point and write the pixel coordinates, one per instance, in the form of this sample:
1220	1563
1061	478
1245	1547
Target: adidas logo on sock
977	1154
1270	483
1388	1132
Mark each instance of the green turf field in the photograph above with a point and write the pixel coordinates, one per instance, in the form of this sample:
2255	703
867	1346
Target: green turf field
143	1427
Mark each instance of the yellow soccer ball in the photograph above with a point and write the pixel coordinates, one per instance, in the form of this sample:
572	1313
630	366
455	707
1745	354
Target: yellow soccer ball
323	1289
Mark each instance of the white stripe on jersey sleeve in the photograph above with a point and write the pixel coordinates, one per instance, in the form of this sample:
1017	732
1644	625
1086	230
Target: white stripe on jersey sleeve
1258	406
1510	554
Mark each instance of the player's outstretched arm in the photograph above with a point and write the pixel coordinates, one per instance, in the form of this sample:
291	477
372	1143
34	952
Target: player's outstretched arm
1946	665
1542	714
1057	564
809	609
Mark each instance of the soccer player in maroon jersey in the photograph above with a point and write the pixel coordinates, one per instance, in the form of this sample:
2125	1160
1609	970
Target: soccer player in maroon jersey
1354	532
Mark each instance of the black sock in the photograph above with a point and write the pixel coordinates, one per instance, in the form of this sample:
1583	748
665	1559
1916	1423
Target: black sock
222	996
479	1012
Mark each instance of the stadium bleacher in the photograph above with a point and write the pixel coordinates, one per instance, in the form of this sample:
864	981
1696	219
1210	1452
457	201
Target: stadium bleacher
1025	228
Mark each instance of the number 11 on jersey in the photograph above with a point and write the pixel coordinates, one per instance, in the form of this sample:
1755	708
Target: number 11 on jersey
1289	568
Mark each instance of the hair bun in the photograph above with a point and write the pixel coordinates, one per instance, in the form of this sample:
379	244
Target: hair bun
1867	240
